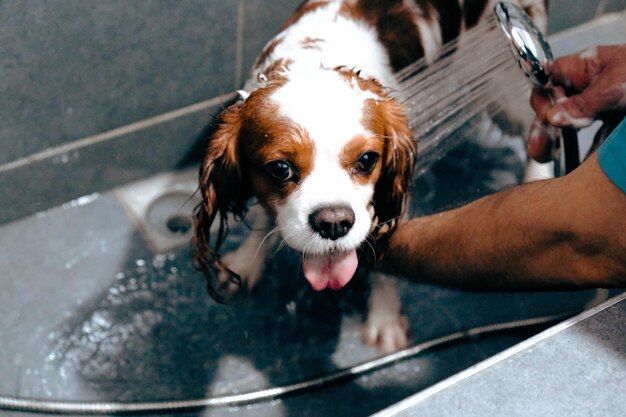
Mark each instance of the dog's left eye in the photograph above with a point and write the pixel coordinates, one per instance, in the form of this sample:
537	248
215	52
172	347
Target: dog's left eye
366	162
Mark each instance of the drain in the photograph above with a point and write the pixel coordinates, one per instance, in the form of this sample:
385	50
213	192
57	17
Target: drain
169	220
171	214
179	224
163	208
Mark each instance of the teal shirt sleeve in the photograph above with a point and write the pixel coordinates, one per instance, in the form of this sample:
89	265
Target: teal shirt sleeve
612	156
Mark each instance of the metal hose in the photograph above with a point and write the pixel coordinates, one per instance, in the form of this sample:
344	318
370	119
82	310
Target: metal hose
105	407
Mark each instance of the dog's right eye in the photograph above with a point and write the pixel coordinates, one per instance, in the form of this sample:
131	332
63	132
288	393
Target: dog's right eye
280	171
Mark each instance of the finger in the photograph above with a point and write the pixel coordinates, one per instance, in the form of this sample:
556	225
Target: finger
600	74
581	69
572	111
539	143
578	70
606	93
540	102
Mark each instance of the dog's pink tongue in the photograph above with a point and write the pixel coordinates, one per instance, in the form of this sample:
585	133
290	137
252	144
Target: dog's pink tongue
332	271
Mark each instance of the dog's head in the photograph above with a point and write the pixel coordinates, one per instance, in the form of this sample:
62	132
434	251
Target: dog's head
329	153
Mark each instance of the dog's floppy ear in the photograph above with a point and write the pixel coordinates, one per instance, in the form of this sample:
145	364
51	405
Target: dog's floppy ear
223	192
398	159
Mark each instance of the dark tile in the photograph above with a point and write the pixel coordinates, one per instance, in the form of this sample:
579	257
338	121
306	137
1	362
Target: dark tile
469	309
613	6
263	20
76	68
604	31
577	371
564	14
94	167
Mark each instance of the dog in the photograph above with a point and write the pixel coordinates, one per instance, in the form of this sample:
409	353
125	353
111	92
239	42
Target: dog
318	139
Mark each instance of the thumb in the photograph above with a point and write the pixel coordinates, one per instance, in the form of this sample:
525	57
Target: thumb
572	111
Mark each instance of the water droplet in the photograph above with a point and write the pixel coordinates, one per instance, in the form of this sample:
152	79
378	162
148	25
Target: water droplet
159	261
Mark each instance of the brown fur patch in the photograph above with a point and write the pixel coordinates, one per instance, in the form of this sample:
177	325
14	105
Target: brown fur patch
273	70
529	11
365	84
267	51
266	136
223	192
394	25
472	10
386	118
356	147
448	14
311	43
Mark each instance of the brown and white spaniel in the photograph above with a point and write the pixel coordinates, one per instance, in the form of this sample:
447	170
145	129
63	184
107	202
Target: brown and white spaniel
317	137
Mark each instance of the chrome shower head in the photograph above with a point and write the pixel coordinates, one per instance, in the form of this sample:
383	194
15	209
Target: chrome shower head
534	56
530	49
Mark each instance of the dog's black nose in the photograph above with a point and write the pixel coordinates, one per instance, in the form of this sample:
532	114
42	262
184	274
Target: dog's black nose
332	222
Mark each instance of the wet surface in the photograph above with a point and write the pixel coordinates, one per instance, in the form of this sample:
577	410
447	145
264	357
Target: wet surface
90	312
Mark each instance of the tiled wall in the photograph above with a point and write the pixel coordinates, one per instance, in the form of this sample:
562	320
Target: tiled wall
74	71
567	13
74	68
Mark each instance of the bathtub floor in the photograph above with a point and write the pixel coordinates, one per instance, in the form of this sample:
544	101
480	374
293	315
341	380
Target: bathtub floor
90	312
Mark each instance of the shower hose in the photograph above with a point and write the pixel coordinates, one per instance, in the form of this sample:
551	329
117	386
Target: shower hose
94	408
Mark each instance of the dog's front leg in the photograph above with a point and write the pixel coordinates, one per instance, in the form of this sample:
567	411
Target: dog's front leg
248	259
386	328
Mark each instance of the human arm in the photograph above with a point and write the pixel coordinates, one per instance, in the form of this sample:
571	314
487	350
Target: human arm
563	233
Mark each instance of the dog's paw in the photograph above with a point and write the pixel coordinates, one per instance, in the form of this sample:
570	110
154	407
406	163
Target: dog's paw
388	334
247	268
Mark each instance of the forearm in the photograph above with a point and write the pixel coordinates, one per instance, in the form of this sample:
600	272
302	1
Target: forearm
563	233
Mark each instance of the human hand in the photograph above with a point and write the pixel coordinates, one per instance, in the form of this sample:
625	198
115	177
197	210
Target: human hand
586	86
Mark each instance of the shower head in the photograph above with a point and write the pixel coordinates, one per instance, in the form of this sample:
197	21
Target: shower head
532	53
530	49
